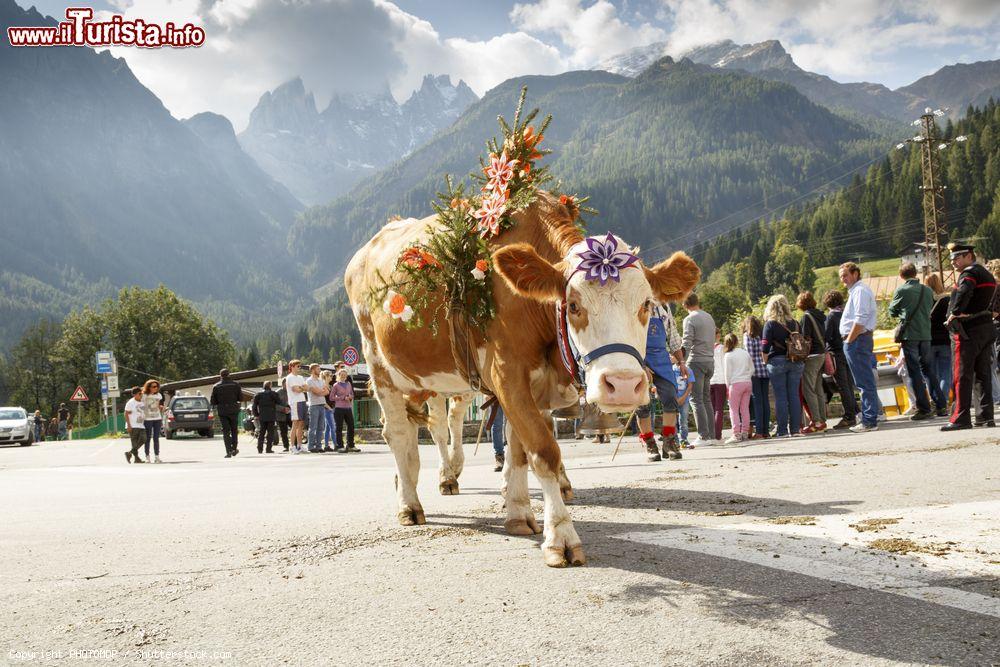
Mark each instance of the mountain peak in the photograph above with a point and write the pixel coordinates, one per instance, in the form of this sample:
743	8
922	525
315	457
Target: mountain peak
766	55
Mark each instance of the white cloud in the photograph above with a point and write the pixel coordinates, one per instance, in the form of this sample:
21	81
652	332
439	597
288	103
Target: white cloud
334	45
846	39
590	33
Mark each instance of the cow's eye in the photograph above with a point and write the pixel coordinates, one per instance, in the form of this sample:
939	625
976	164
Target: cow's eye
573	307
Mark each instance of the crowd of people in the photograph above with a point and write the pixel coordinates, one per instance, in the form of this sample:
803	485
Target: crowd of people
947	346
947	352
58	427
306	414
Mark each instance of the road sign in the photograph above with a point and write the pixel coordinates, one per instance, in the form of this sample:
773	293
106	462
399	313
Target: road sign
105	361
79	395
114	394
104	387
112	382
350	355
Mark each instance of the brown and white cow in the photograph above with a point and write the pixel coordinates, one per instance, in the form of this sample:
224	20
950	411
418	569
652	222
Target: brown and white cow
534	269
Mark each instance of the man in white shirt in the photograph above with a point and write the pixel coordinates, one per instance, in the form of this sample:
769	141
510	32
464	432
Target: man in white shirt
856	327
295	385
317	390
135	425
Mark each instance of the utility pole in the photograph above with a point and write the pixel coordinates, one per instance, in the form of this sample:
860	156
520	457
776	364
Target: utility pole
933	189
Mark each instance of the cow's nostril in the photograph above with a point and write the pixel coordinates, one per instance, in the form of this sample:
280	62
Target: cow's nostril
608	385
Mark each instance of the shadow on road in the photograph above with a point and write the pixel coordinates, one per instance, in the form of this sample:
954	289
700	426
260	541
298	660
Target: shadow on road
862	621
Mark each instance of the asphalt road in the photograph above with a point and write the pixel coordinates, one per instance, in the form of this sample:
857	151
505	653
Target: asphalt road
761	554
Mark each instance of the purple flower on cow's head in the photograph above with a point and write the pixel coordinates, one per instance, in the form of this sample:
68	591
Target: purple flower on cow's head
603	261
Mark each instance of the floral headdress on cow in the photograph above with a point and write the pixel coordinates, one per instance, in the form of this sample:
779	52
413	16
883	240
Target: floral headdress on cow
455	259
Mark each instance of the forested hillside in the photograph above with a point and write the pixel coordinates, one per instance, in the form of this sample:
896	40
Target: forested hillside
877	215
662	155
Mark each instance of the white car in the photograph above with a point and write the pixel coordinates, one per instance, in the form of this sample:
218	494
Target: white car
15	427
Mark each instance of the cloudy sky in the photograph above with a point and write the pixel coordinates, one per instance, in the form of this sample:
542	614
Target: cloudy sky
334	45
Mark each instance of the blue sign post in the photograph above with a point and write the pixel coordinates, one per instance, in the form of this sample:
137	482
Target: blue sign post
104	362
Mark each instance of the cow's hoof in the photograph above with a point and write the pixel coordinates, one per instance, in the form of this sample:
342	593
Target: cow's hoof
411	517
561	557
567	494
448	487
527	526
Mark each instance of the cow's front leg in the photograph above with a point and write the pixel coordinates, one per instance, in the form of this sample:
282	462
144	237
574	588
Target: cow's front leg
520	517
562	545
438	425
401	434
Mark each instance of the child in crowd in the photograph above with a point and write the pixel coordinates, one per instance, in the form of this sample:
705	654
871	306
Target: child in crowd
684	387
738	371
717	387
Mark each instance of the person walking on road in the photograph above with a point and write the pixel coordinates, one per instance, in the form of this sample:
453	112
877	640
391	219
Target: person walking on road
265	407
970	320
662	350
343	411
834	301
298	402
786	374
699	340
134	418
857	324
737	368
812	327
284	419
912	303
317	389
761	381
39	426
64	417
152	405
499	439
226	395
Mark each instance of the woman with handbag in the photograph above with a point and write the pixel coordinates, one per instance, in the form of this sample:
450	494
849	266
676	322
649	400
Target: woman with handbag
781	342
834	300
812	327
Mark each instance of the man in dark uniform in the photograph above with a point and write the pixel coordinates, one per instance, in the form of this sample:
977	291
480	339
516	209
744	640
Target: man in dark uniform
971	326
226	395
265	408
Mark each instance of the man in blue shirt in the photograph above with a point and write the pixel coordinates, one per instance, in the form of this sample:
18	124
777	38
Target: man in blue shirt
856	327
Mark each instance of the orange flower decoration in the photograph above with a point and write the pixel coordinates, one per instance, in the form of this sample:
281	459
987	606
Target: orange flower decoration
412	257
396	304
482	265
429	259
566	199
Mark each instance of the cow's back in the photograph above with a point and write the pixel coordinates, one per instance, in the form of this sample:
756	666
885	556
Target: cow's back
409	359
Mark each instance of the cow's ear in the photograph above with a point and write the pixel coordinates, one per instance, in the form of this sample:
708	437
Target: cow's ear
673	278
529	274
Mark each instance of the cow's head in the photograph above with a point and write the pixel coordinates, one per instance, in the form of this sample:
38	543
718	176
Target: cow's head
604	306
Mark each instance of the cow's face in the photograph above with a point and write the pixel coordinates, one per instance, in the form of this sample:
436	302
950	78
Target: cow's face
616	311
